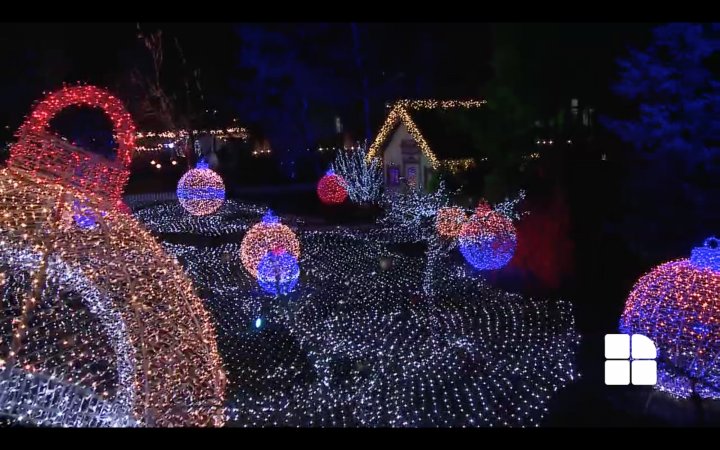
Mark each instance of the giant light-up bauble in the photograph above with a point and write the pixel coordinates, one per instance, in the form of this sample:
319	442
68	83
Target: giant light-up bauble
278	272
331	189
677	305
488	239
100	327
449	221
103	310
201	190
264	237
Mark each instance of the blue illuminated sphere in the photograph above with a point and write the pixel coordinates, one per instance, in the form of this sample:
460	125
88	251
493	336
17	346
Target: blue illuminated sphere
488	242
278	272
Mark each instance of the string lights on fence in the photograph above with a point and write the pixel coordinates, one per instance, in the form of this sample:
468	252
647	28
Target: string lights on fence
171	139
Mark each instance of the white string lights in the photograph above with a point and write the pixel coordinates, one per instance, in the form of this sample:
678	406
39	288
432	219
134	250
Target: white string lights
363	179
356	343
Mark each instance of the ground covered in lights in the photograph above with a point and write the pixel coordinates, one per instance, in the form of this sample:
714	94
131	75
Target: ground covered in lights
357	343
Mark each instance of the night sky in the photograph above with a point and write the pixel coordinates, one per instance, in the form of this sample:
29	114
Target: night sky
560	60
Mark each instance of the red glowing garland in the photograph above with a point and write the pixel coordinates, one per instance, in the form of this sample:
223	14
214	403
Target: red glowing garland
48	157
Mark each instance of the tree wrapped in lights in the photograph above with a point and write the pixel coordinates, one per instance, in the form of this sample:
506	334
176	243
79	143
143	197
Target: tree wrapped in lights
363	177
278	272
488	239
100	314
331	188
677	305
411	216
201	190
266	236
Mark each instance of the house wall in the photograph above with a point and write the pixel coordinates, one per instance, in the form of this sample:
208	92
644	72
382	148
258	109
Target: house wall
404	158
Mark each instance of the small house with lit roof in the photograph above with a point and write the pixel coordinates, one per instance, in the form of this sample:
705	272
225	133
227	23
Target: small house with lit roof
421	138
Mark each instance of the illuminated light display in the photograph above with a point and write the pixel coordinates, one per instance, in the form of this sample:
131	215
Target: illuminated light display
264	237
357	346
707	256
171	217
84	215
278	272
488	239
331	188
201	190
49	158
677	305
399	114
103	309
449	221
152	141
96	314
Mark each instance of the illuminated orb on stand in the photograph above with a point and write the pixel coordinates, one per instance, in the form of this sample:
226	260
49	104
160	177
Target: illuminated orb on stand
677	305
488	239
331	189
264	237
201	190
278	272
449	221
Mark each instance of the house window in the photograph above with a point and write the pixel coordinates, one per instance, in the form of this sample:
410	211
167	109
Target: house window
393	176
411	175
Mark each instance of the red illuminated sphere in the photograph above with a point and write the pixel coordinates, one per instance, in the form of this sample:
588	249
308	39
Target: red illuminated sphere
677	306
331	189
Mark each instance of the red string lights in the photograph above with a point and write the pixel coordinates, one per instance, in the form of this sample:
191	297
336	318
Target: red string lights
50	158
331	189
99	308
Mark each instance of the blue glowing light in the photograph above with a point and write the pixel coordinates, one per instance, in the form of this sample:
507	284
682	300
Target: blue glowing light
258	322
201	193
270	217
202	164
278	272
707	256
487	252
85	217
